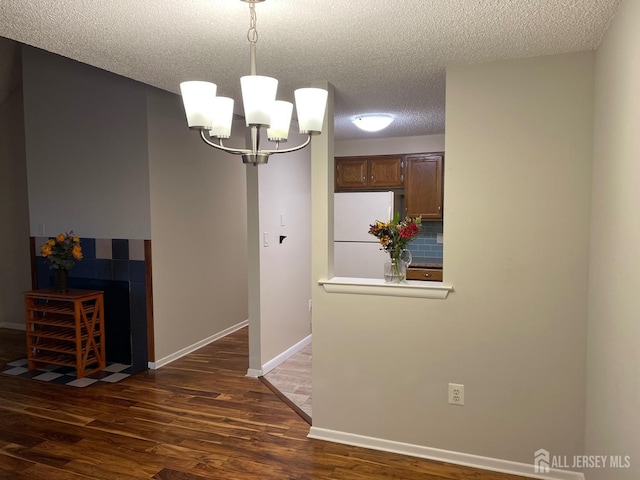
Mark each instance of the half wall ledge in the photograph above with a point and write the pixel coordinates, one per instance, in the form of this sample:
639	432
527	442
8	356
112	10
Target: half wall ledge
374	286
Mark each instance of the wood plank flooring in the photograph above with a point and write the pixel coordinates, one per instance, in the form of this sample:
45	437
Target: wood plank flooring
13	345
195	419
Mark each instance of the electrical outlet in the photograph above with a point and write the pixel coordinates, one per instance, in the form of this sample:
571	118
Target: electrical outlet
310	305
456	394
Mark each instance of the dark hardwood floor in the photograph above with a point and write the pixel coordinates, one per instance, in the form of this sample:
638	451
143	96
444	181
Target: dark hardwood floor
197	418
13	345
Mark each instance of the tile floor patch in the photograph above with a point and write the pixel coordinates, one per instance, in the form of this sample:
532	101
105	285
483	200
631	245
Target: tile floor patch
116	367
48	376
18	363
15	371
82	382
63	375
292	378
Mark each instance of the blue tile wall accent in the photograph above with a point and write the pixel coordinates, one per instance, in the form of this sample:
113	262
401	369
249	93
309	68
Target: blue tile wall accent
85	268
103	248
425	245
138	329
88	247
136	271
119	249
104	269
44	273
120	269
117	268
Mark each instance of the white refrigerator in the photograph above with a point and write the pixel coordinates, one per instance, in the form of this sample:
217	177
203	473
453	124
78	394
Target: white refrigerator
356	252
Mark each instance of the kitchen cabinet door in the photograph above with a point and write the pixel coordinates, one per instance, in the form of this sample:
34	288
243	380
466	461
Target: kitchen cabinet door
369	173
351	173
424	186
385	172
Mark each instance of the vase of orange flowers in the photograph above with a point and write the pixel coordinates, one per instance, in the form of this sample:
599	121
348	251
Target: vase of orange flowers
62	252
394	236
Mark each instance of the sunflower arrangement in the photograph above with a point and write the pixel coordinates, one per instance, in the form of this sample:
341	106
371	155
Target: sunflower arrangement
63	251
395	234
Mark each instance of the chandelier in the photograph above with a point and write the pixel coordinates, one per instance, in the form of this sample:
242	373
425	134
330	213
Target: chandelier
213	115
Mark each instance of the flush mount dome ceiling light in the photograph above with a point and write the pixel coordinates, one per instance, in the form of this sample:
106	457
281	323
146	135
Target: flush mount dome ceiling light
372	122
213	115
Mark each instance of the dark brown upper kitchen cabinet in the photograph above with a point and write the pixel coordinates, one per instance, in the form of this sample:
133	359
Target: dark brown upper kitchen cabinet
369	173
423	186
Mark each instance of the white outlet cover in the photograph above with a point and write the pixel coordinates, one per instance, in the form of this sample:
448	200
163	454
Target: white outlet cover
456	394
439	238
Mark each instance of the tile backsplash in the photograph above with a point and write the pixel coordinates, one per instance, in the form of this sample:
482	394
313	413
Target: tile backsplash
103	258
426	245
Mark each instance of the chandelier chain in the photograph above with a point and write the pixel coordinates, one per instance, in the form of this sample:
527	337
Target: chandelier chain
252	34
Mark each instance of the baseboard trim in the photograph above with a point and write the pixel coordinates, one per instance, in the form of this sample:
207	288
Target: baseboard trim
192	348
287	354
254	372
14	326
458	458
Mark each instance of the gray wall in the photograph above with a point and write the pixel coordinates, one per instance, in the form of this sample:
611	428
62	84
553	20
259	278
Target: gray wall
112	158
198	231
389	145
86	137
613	389
15	269
513	331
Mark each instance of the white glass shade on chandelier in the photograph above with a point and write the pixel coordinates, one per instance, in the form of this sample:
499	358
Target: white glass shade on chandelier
206	111
213	115
372	122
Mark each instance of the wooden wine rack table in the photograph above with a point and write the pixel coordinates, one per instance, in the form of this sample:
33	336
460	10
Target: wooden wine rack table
66	329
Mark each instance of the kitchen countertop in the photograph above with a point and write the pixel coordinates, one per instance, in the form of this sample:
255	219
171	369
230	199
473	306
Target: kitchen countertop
426	262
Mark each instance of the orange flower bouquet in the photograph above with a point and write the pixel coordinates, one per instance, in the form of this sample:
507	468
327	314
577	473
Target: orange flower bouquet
63	251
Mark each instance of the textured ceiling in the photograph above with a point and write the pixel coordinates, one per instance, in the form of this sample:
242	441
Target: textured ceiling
381	55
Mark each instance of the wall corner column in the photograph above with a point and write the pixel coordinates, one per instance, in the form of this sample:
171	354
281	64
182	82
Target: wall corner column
322	186
253	248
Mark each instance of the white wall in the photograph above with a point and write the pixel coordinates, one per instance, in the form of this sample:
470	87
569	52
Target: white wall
389	146
613	389
86	149
285	268
15	270
279	288
198	231
517	184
